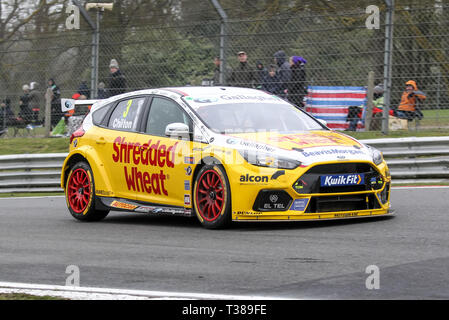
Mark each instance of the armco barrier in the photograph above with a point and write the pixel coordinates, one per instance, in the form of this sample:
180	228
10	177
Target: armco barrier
415	160
411	160
31	172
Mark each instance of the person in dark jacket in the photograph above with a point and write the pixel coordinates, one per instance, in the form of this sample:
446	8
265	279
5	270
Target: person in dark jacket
117	81
216	77
261	73
83	90
283	70
7	117
35	103
24	104
56	112
271	81
102	94
243	75
297	87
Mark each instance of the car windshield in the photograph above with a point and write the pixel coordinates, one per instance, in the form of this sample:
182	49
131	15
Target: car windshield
256	117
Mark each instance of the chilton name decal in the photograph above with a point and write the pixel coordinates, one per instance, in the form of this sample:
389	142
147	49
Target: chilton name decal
152	154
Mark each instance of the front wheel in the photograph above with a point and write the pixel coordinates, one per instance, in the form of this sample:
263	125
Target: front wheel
80	194
212	197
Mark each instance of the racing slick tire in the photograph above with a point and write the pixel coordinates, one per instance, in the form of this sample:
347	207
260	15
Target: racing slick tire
80	194
212	197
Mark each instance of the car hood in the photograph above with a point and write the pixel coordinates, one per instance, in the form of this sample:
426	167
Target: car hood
308	147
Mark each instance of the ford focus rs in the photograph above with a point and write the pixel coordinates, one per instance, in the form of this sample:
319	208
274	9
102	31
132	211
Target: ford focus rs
221	154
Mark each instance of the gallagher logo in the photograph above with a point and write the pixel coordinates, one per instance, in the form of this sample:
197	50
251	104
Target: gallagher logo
248	178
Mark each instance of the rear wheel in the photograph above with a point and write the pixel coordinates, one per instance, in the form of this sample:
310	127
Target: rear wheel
212	197
80	194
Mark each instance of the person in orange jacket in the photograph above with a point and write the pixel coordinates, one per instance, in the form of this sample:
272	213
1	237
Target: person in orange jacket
407	107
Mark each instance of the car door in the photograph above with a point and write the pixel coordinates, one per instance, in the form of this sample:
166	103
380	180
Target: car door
166	164
114	143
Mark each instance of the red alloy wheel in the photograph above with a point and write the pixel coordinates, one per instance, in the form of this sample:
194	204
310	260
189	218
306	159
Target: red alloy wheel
79	190
210	196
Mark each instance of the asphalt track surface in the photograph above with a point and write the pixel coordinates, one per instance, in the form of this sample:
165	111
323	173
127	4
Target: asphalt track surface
313	260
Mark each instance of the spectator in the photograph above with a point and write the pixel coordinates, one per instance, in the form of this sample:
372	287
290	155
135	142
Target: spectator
353	117
216	78
83	90
35	104
407	108
101	91
56	112
7	117
117	81
243	75
283	70
378	100
261	73
24	102
25	114
378	105
297	87
271	81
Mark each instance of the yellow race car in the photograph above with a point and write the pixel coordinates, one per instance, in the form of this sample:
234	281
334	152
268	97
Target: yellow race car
221	154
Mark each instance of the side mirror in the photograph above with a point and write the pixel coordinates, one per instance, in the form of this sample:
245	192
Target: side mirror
177	129
323	122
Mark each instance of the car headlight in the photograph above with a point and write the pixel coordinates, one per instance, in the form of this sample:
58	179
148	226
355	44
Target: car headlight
377	155
262	159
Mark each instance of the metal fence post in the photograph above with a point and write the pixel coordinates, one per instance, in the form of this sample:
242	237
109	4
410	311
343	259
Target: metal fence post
223	28
4	118
95	38
94	91
47	123
388	57
369	101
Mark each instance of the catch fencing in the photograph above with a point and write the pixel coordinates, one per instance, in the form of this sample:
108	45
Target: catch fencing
411	160
178	49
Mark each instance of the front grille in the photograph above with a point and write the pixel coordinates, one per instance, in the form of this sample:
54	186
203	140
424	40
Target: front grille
309	182
342	203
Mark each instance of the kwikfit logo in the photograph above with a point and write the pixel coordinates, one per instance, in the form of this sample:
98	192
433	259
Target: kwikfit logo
341	180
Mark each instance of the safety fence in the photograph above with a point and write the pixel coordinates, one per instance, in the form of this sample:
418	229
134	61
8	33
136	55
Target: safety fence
411	160
174	43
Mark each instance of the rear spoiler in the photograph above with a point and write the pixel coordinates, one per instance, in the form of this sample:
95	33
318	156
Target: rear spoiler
69	104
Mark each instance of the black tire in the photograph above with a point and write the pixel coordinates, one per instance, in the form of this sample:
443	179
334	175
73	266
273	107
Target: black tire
212	197
80	194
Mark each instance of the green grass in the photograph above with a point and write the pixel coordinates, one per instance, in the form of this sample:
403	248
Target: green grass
23	296
33	145
436	117
397	134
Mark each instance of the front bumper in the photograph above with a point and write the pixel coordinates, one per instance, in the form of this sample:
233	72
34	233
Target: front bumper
308	204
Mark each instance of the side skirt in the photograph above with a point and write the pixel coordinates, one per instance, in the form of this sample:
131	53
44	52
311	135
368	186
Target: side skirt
119	204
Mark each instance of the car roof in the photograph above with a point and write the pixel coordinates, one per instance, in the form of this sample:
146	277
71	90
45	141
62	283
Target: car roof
216	90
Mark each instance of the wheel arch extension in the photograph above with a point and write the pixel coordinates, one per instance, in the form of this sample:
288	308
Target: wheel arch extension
68	164
98	169
205	161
